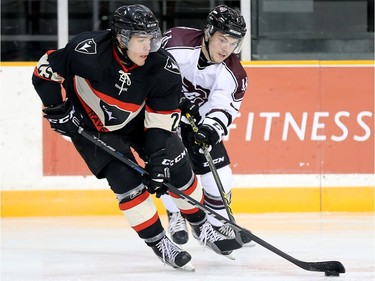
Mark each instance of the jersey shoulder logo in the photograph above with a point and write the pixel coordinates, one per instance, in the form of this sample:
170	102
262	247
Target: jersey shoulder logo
87	47
172	66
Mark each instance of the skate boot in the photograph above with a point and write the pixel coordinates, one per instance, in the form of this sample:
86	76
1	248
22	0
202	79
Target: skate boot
246	238
172	255
214	240
230	233
177	228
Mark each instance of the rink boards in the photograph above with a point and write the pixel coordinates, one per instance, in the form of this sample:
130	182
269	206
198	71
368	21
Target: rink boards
303	142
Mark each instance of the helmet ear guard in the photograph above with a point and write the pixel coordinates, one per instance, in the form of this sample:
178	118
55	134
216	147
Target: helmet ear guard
135	19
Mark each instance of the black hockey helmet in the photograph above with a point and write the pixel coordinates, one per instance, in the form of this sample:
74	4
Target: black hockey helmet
135	19
228	21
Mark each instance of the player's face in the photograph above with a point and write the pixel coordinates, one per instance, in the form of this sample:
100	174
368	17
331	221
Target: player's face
221	46
138	48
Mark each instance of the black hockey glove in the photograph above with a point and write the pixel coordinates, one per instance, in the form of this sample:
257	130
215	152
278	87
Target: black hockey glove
186	106
63	118
209	133
158	170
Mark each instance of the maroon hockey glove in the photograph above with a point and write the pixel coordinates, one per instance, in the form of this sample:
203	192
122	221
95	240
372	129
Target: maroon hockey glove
186	106
158	169
63	118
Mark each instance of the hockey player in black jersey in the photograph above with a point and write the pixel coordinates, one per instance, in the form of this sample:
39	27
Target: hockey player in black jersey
214	84
119	85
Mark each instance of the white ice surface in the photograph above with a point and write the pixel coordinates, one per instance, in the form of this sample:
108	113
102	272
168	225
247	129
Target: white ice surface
106	248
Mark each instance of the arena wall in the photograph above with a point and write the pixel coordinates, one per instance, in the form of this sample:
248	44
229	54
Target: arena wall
303	142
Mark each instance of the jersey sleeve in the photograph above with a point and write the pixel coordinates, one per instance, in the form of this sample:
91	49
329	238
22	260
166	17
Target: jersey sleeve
162	115
162	103
54	66
47	82
226	99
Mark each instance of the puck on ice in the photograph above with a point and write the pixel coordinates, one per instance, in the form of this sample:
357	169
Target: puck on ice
332	273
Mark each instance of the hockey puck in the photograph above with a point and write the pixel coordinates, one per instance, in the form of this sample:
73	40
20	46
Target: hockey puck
332	273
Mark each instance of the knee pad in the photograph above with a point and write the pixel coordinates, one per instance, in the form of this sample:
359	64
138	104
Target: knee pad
212	194
134	200
180	168
194	190
120	177
139	209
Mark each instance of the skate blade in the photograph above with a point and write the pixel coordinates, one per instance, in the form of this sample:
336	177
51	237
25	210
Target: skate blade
230	256
217	251
250	244
187	267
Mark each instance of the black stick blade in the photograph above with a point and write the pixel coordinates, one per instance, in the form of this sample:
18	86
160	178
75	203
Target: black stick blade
324	266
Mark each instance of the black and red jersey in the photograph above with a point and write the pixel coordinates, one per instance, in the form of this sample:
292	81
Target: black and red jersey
108	94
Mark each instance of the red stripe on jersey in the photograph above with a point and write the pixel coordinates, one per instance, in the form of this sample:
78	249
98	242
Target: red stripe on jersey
189	190
149	109
136	201
93	116
147	223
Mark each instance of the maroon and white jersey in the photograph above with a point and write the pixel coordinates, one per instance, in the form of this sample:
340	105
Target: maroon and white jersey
218	89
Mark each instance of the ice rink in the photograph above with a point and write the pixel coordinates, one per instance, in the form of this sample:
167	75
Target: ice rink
106	248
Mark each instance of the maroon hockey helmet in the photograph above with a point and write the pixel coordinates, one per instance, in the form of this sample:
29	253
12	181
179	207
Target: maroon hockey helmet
135	19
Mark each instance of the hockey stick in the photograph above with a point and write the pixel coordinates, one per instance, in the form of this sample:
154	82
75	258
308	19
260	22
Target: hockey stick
214	172
329	267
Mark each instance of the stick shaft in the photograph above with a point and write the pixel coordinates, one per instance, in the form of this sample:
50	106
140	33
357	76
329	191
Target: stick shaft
214	172
310	266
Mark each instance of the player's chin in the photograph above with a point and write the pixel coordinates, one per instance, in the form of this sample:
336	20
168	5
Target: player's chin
141	60
220	58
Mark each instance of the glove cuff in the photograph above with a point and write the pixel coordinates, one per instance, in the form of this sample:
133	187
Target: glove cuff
217	126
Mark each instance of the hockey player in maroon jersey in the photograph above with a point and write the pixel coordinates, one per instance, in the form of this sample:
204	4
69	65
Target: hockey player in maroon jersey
214	84
123	88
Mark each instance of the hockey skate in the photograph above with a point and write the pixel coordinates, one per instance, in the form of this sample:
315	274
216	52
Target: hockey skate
177	228
246	238
230	233
214	240
225	230
172	255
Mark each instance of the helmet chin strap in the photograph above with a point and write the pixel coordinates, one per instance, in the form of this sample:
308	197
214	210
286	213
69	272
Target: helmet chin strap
125	59
205	43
